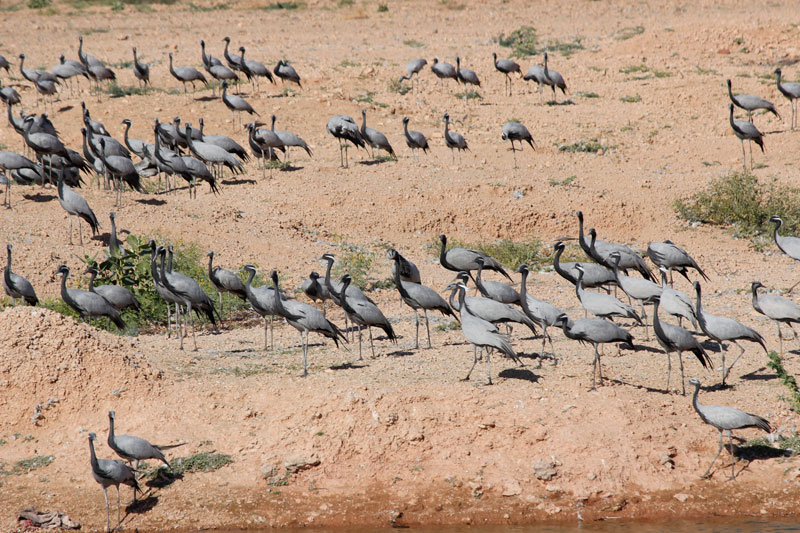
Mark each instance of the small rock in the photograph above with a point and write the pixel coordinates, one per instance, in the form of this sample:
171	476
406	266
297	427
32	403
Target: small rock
511	487
517	194
486	425
681	497
545	470
298	465
269	470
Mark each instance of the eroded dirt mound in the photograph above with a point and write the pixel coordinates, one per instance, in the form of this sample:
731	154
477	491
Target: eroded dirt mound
52	360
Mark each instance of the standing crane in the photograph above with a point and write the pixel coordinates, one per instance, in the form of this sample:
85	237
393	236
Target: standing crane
414	140
746	131
595	331
506	67
225	280
792	92
722	328
417	296
725	419
780	309
786	244
108	472
16	286
344	128
674	338
514	131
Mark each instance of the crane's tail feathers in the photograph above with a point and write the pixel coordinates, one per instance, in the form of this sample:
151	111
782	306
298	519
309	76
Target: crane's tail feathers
168	446
118	322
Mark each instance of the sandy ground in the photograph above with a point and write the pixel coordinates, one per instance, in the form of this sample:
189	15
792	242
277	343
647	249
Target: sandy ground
399	438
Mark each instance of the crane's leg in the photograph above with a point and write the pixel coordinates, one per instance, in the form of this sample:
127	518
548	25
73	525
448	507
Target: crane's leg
416	339
733	457
119	520
70	227
683	378
371	344
360	358
194	329
271	332
305	352
707	474
552	350
265	332
780	338
474	362
744	156
428	328
669	369
108	513
750	144
180	330
723	350
452	155
346	159
80	231
741	352
220	302
489	365
595	363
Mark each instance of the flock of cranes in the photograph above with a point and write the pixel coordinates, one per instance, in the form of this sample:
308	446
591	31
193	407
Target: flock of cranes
190	154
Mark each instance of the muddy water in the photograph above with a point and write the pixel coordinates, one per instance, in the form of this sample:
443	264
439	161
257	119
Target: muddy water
607	526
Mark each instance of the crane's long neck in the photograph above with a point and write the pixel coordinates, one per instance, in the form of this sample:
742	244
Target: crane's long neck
171	70
579	285
153	269
699	304
696	404
452	300
81	55
169	263
92	276
127	131
363	121
557	261
663	279
135	60
461	299
614	264
273	122
343	296
60	185
756	305
479	281
21	61
656	321
9	259
397	281
446	126
581	237
227	54
110	428
775	232
443	255
64	294
276	295
163	273
328	283
114	232
93	460
405	128
210	267
731	118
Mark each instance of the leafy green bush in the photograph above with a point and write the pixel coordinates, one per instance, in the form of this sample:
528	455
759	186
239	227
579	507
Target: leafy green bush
39	4
591	146
776	364
523	41
132	271
739	200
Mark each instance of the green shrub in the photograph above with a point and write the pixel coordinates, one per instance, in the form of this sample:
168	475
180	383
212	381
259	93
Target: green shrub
776	364
39	4
522	41
591	146
739	200
626	33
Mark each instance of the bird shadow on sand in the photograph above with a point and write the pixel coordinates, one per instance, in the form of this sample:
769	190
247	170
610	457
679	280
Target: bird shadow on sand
636	386
759	375
348	366
519	373
239	182
756	452
644	348
370	162
64	109
39	197
400	353
565	102
206	98
290	168
142	506
151	201
164	478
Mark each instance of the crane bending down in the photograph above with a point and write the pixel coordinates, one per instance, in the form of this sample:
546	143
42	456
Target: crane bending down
725	419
